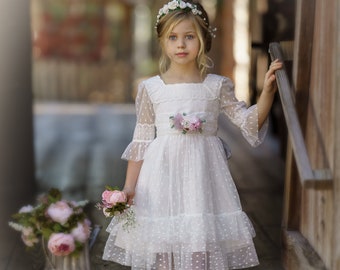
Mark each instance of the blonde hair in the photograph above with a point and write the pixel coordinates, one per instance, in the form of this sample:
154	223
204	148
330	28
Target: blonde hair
201	25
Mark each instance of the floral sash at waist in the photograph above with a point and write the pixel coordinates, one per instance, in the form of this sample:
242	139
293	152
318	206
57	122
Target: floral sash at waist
185	124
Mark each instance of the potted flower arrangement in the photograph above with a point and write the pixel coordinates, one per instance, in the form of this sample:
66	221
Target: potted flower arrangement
62	225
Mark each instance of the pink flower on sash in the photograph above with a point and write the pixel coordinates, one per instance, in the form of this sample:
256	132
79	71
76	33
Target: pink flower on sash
186	123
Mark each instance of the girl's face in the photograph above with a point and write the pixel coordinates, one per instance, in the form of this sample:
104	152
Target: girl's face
182	45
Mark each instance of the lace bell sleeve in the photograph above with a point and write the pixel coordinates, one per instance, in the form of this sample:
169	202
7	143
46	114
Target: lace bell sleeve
245	118
144	132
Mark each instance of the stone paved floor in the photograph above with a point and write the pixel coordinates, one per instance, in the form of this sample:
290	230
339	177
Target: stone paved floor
78	151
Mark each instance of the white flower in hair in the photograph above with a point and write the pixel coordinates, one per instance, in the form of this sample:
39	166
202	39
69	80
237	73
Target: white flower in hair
182	5
173	5
195	11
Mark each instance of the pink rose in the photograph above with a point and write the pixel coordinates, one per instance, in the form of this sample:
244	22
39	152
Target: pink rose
61	244
195	123
60	212
82	232
178	121
106	195
112	197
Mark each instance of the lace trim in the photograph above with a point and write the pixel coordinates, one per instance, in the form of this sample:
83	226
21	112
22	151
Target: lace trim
154	84
158	100
250	132
135	150
143	135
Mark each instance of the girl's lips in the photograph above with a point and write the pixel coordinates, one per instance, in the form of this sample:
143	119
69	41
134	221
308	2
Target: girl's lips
181	54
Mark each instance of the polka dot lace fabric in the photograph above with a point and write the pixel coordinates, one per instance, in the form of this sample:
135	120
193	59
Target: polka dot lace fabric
187	207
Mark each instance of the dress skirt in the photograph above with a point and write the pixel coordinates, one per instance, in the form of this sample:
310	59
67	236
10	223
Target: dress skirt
188	212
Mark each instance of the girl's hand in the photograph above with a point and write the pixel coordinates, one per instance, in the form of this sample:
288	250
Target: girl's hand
130	194
270	85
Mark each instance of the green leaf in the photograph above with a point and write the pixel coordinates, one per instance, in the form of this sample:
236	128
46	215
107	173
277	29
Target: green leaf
111	188
46	232
54	195
57	227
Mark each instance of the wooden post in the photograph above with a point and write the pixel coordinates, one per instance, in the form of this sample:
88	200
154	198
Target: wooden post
227	29
336	162
16	134
303	41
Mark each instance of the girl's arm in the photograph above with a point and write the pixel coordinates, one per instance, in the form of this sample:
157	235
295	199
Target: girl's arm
144	134
132	173
267	96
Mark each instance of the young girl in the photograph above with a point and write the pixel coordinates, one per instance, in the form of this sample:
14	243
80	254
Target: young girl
187	208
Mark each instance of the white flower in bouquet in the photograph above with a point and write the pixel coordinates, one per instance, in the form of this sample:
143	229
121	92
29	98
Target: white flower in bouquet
26	209
28	237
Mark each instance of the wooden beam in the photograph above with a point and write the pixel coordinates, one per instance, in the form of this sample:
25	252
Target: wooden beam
336	162
302	160
299	253
302	63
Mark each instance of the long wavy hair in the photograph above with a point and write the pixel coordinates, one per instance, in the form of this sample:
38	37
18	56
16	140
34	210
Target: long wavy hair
201	25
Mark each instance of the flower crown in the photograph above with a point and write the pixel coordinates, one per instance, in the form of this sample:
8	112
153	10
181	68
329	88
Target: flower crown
175	5
179	4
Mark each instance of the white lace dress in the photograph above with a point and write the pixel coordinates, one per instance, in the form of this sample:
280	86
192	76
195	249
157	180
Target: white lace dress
187	207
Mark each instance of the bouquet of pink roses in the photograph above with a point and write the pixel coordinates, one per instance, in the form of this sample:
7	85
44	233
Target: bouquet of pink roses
114	204
63	224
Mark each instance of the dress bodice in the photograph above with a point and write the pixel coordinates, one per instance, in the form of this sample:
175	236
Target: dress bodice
188	99
157	103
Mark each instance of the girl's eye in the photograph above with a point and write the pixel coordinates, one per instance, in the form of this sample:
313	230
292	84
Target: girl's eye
172	37
190	37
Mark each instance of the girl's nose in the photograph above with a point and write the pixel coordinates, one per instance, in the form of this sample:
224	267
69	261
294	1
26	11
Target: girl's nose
181	43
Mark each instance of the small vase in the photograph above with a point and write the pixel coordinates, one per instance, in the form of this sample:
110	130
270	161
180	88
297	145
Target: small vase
70	262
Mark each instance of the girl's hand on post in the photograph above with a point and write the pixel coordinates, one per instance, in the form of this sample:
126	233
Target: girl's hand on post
267	96
270	85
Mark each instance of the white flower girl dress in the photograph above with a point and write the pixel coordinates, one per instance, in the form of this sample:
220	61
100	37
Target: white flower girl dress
187	207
